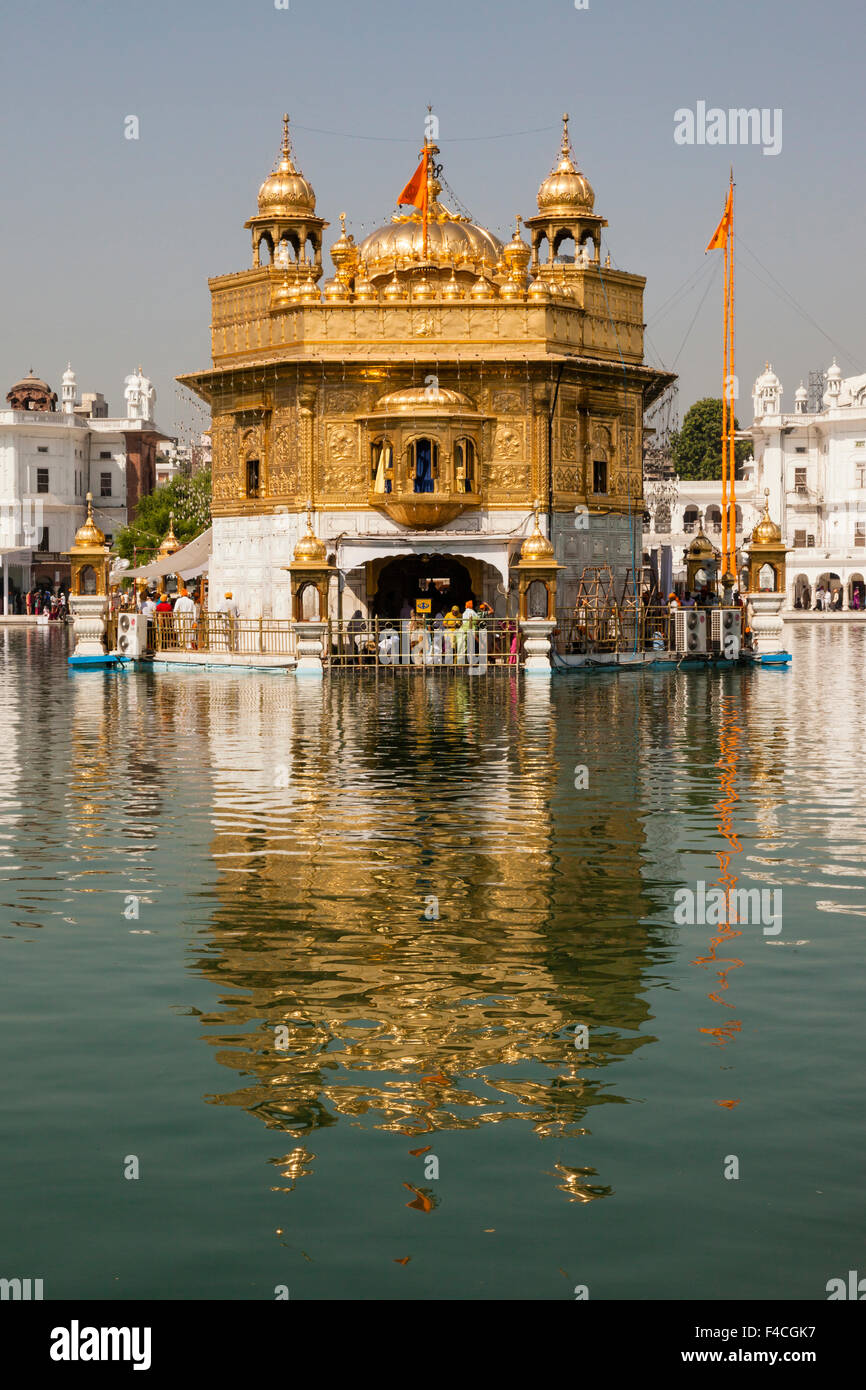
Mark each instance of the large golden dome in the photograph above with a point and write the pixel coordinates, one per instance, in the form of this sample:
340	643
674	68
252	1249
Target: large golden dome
285	192
448	243
565	189
452	240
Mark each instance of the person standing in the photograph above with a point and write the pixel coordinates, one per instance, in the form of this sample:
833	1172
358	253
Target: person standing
228	610
184	615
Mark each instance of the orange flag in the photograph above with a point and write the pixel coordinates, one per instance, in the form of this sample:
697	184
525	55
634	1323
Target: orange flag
415	191
719	239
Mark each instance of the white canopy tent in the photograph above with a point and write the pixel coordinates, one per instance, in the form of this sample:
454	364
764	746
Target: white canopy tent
189	562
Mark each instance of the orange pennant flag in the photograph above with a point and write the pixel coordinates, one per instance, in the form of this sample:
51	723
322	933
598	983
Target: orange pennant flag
719	239
415	191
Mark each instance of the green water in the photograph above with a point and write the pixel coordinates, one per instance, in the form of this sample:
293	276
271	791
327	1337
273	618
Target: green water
402	874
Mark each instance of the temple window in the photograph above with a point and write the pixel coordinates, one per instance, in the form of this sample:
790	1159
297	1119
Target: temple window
423	461
252	477
599	475
464	465
381	465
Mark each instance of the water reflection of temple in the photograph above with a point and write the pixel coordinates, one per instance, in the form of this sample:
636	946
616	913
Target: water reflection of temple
417	893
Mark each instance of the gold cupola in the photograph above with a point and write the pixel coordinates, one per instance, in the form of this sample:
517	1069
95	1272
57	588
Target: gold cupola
766	554
170	542
766	532
566	205
344	254
88	558
537	570
286	222
566	189
453	241
89	534
536	546
309	549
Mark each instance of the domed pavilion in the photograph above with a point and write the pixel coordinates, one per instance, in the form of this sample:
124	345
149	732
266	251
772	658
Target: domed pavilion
420	398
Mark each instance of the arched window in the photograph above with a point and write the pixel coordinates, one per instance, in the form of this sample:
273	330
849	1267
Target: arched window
690	518
252	477
266	249
381	465
423	459
564	248
464	465
714	519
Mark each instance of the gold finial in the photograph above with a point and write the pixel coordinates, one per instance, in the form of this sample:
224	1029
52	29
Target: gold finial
342	224
607	261
286	148
517	221
90	506
566	143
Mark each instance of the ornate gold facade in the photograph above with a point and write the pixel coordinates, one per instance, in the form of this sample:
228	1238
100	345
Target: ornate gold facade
299	374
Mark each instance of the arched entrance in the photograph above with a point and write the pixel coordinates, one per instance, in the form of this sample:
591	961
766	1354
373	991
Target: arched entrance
440	578
828	591
856	593
802	592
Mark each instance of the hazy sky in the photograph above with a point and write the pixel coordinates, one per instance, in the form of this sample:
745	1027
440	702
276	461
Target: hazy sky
107	243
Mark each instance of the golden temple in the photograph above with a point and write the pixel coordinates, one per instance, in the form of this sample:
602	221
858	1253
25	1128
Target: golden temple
425	397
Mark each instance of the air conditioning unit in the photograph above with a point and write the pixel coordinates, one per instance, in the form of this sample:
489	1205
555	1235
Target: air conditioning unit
691	630
132	634
727	631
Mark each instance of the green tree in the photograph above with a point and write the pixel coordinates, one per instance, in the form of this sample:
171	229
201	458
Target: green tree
189	500
696	449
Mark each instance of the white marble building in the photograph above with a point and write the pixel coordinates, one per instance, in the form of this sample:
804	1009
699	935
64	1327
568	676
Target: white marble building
814	465
51	457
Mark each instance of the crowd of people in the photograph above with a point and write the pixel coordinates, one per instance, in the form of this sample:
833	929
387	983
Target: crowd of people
38	603
449	637
827	600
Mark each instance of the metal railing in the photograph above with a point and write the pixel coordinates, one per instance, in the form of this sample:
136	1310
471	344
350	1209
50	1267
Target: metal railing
222	633
394	643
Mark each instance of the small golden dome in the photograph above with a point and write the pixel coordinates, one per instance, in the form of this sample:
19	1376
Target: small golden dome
452	289
536	546
309	547
394	290
365	292
171	543
285	192
538	290
512	290
482	291
701	546
309	292
423	291
766	532
565	189
516	254
89	534
413	398
335	292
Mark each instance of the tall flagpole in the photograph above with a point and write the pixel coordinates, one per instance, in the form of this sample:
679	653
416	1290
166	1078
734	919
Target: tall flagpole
732	528
725	418
426	192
